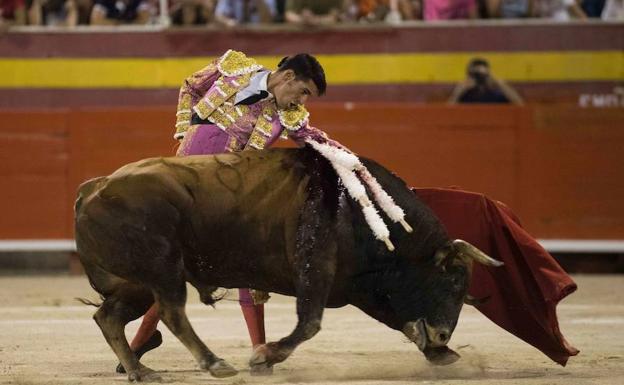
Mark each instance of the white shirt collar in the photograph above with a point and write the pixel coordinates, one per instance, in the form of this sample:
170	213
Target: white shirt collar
264	81
257	83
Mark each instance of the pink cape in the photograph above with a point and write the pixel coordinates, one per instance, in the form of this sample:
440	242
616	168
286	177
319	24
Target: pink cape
525	292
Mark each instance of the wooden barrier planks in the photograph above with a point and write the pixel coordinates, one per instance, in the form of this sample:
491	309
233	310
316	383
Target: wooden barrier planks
34	163
559	168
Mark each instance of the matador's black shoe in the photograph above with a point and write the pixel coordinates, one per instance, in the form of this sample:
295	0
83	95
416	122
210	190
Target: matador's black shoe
154	341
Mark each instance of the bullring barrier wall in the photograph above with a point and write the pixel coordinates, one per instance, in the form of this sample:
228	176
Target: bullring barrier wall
558	167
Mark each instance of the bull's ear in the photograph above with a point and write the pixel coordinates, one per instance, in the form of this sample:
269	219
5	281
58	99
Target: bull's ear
441	257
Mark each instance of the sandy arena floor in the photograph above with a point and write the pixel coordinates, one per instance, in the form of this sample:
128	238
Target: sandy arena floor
46	337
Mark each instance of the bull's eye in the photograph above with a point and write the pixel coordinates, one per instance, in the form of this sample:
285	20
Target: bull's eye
456	281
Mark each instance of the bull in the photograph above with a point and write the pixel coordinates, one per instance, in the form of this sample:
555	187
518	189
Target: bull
275	220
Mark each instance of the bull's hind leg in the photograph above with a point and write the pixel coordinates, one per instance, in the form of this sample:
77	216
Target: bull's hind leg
126	304
315	264
172	313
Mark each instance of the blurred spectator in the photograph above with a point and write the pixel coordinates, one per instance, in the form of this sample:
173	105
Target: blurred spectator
411	9
63	13
509	9
12	12
449	9
481	86
559	10
84	11
234	12
313	12
191	12
482	10
593	8
613	10
280	10
390	11
116	12
401	10
369	10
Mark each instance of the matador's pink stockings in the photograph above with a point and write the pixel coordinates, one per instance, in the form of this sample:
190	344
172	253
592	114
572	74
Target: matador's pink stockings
254	317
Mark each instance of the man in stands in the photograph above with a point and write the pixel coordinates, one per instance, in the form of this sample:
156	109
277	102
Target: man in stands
481	86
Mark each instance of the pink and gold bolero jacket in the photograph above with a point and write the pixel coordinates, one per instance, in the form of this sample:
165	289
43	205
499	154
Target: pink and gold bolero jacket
210	94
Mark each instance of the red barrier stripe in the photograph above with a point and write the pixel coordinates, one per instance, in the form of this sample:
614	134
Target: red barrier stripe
422	38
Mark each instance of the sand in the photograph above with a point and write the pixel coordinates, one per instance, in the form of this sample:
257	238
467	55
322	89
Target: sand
46	337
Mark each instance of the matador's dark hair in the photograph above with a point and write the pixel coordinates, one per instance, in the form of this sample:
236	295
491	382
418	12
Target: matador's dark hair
305	66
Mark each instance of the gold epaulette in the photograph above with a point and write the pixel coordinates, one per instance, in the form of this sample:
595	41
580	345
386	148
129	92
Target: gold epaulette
293	119
183	115
235	63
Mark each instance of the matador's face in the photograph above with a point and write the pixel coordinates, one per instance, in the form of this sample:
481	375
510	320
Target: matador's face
292	91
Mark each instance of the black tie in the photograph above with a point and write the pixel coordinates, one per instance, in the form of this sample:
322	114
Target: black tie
254	98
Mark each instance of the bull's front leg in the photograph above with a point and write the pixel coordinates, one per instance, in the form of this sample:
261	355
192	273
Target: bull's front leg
315	265
310	305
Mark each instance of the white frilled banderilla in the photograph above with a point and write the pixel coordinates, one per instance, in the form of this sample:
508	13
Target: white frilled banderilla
352	173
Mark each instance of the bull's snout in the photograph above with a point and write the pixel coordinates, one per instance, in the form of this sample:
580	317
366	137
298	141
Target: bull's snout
443	338
438	336
425	336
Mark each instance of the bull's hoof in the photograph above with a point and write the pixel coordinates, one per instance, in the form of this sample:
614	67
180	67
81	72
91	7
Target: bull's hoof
269	354
261	370
221	369
259	356
441	355
154	341
144	374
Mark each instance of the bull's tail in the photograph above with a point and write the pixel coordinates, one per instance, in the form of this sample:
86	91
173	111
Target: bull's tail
87	302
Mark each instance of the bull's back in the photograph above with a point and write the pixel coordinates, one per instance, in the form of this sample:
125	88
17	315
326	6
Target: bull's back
236	213
122	217
246	209
258	185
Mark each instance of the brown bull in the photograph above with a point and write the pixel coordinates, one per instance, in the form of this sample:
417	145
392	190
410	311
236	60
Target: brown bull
278	221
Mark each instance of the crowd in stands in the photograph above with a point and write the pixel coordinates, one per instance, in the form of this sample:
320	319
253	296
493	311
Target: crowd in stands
307	13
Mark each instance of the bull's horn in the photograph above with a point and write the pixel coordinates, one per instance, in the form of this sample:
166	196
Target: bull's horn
389	244
470	300
469	250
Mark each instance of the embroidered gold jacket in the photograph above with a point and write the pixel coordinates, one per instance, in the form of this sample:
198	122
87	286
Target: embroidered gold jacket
210	94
